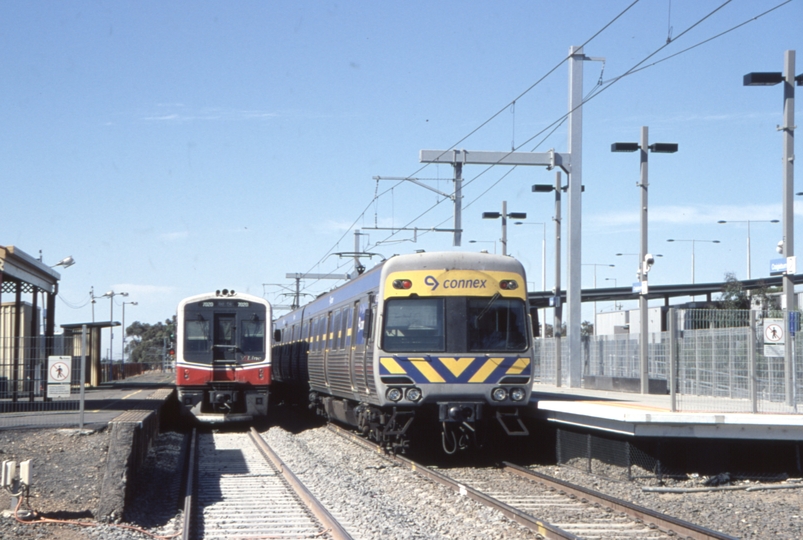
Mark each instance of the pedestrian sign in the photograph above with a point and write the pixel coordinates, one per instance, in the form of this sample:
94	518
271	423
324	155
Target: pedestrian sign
59	376
774	337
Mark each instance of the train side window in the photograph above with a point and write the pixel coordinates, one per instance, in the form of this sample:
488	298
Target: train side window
368	323
344	327
316	334
334	330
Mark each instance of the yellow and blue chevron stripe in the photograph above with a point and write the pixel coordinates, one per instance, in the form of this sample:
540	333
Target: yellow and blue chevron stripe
445	369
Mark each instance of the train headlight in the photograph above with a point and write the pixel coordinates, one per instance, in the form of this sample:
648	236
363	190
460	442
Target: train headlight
508	284
499	394
414	394
402	284
393	394
517	394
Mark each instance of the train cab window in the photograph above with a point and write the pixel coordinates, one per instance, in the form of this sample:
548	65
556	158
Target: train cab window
496	324
414	325
198	336
253	336
225	345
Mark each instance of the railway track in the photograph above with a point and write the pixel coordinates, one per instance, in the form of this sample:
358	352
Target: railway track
238	488
553	508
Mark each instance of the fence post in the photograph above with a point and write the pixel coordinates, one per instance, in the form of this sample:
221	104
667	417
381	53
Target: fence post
751	363
83	377
673	354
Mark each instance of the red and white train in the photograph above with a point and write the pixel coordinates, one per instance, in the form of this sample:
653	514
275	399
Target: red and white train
223	357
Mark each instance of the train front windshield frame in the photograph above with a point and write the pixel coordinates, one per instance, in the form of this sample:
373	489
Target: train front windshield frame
455	324
224	331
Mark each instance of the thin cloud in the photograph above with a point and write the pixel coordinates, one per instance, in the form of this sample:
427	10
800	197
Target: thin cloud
174	236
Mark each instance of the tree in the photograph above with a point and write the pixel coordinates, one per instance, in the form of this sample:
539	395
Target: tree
149	341
733	294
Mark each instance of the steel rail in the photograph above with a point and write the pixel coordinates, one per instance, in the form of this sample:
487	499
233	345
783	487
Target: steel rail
664	522
542	528
189	488
333	527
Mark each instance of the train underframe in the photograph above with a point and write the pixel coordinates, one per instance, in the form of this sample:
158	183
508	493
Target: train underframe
459	421
224	402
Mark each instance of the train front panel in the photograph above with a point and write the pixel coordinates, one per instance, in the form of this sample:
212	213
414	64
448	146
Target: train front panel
223	366
455	336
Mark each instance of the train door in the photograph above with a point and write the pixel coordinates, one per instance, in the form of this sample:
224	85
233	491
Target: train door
224	344
327	346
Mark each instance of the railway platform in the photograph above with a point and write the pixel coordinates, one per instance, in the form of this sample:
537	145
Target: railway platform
102	404
651	416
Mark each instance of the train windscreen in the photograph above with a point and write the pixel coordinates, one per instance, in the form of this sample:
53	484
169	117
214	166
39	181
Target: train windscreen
455	324
224	331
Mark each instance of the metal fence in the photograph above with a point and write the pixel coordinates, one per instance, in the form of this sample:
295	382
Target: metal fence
721	363
24	368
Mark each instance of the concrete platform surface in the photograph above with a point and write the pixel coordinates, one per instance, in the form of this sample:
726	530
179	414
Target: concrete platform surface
650	415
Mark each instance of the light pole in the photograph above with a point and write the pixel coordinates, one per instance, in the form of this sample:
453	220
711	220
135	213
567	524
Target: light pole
645	260
484	242
504	215
748	221
788	79
558	313
111	295
543	267
131	304
694	241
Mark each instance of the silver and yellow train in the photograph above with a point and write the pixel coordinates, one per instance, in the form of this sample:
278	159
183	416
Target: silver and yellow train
444	337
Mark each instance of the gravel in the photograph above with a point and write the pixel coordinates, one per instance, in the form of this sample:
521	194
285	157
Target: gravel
373	498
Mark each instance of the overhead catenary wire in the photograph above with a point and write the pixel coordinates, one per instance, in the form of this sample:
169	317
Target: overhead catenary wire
601	87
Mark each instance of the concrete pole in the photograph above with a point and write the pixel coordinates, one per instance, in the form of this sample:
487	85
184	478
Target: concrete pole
574	284
458	199
789	210
642	300
504	227
557	323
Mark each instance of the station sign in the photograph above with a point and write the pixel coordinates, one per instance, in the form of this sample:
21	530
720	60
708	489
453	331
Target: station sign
779	267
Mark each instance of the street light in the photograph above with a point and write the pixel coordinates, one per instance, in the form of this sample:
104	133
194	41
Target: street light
748	221
595	269
484	242
504	215
645	259
558	313
543	267
616	305
66	262
788	79
130	304
111	295
694	241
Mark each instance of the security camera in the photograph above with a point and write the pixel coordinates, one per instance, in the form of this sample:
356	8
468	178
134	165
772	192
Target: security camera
649	260
779	248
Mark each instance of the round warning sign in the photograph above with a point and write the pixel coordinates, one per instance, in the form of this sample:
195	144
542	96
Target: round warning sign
773	333
58	369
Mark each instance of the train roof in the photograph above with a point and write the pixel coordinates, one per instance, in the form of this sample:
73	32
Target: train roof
372	278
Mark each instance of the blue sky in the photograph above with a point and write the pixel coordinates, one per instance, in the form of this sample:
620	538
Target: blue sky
177	148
